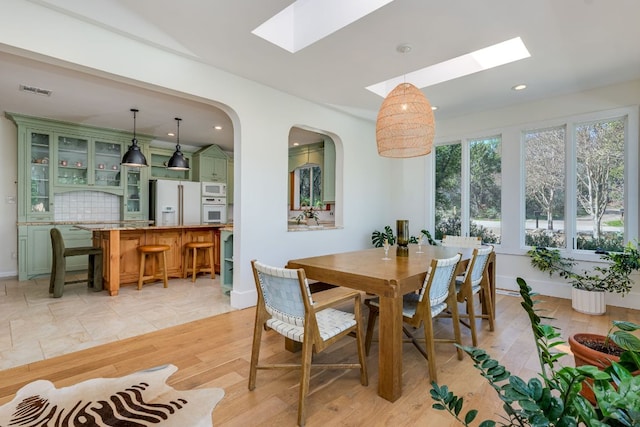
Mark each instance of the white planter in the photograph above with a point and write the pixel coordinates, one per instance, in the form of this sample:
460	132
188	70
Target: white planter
588	302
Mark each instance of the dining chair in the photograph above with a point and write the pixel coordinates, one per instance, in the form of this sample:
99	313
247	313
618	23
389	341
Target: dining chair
461	241
286	306
421	307
475	281
58	279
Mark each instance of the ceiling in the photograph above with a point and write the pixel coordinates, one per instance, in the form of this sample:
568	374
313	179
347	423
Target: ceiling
575	45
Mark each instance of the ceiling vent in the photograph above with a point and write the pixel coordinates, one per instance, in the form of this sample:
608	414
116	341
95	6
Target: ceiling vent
35	90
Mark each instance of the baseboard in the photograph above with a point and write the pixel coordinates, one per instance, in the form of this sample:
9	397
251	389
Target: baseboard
244	299
9	274
563	290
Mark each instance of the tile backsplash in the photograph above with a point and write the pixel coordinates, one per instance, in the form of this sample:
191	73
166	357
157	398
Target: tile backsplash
86	206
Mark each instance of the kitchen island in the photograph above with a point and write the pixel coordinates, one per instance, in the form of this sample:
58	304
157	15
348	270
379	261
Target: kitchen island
119	244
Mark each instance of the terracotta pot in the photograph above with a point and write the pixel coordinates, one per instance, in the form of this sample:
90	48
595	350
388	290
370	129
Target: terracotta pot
584	355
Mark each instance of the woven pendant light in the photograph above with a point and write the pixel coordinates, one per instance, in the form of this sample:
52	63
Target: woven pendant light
405	125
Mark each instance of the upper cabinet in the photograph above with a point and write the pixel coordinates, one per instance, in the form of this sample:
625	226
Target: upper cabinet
159	158
210	165
56	157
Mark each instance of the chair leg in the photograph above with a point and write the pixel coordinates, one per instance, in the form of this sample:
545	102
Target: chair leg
488	301
455	319
472	320
364	375
431	349
141	274
90	270
213	269
255	349
371	323
185	264
59	276
307	350
52	278
165	275
193	271
97	273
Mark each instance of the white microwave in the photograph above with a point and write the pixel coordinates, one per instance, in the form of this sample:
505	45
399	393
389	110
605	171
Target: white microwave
214	189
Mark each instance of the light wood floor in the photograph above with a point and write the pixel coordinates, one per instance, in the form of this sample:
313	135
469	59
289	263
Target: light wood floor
215	352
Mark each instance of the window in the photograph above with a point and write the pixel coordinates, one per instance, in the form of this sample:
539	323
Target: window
544	187
308	181
575	183
468	189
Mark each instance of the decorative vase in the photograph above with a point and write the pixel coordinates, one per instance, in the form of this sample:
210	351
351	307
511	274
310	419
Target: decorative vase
402	229
588	302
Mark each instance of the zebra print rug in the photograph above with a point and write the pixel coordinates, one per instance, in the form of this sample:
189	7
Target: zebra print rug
137	400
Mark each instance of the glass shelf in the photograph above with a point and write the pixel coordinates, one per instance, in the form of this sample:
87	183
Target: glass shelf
40	156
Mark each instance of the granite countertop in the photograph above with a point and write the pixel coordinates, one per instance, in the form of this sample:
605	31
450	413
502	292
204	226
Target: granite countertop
147	226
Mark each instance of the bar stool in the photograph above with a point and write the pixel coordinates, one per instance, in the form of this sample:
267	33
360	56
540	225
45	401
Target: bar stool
151	250
193	248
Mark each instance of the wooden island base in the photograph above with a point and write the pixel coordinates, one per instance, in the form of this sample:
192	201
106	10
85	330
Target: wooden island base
121	259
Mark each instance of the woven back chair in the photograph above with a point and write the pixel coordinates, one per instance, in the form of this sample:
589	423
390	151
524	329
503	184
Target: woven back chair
476	282
419	308
286	306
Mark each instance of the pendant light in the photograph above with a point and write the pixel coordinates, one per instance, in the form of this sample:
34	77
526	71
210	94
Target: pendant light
133	156
177	162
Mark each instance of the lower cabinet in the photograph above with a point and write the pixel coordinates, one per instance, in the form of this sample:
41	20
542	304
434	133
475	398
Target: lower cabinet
226	261
35	254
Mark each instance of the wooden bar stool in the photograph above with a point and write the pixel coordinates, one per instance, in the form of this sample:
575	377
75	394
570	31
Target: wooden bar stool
151	250
195	269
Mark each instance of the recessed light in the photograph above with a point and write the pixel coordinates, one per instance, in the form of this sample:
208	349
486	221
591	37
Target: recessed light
295	144
217	127
171	134
434	107
519	87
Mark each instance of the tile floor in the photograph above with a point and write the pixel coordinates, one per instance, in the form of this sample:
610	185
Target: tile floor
34	326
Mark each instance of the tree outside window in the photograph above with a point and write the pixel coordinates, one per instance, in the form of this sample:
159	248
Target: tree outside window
476	183
598	192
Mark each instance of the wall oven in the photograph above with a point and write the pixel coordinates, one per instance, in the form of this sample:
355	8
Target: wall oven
214	210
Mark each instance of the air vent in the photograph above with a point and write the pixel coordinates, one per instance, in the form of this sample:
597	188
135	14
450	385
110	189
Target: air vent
35	90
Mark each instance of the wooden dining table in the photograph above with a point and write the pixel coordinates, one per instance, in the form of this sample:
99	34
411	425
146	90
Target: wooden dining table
390	279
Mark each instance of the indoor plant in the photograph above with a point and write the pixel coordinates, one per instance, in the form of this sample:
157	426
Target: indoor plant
553	399
378	237
591	284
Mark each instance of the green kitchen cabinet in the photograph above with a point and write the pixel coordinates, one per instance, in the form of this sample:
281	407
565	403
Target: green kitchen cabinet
159	158
226	260
210	165
230	181
34	243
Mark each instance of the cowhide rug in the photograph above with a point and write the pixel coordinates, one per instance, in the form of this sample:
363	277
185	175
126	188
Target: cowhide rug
140	399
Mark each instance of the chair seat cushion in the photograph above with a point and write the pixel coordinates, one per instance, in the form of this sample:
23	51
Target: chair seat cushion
82	250
330	323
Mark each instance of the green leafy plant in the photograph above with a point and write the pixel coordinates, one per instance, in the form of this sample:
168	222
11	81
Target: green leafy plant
553	398
615	277
378	237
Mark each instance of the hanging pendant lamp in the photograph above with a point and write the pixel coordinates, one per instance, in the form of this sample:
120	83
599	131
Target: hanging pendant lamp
405	125
134	157
177	162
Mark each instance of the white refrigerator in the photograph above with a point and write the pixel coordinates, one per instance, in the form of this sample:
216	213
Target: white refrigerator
174	202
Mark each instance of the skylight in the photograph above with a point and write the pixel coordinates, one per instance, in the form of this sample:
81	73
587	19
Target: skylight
479	60
304	22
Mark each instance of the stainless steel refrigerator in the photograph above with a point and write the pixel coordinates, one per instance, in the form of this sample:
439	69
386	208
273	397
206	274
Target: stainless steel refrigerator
174	202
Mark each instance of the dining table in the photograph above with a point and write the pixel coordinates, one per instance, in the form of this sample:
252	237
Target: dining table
389	279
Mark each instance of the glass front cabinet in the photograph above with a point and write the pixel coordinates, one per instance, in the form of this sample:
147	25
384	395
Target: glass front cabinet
55	158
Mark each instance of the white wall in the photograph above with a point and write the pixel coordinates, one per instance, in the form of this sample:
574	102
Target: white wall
512	261
8	195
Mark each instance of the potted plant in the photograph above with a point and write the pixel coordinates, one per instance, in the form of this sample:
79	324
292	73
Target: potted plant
589	287
619	345
552	398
